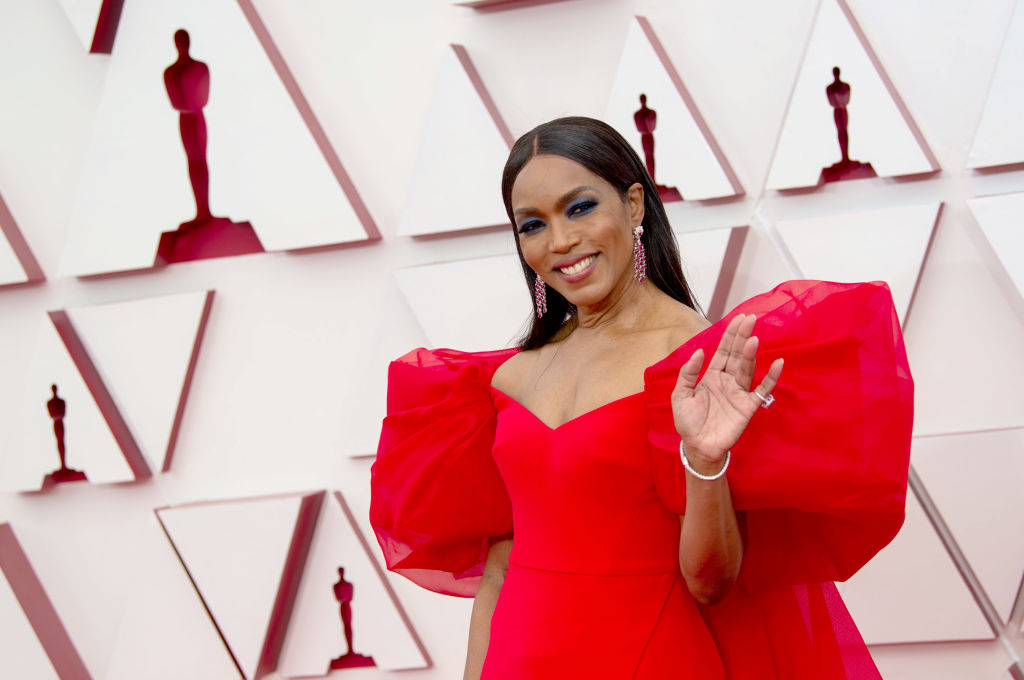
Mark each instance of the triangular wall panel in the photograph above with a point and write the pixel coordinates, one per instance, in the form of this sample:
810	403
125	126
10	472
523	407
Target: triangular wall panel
269	162
874	245
999	140
380	628
165	633
880	127
95	22
999	218
983	509
465	145
687	156
34	643
146	351
92	448
245	558
710	257
912	592
22	653
17	263
471	305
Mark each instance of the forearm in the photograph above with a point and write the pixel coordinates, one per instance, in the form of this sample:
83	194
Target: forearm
483	607
480	627
710	547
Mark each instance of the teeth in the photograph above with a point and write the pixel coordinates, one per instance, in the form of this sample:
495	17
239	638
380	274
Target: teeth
579	266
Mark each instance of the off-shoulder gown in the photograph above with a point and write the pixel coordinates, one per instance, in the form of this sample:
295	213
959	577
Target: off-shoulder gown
593	588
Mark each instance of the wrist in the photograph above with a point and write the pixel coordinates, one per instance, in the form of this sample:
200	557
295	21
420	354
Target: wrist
702	465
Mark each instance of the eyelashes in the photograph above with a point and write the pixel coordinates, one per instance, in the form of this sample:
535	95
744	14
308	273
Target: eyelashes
580	207
529	226
575	209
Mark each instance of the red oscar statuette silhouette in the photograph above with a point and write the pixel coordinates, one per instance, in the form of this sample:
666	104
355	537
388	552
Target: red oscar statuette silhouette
343	593
838	94
57	408
188	87
645	120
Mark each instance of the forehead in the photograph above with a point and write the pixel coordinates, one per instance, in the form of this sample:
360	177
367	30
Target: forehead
545	178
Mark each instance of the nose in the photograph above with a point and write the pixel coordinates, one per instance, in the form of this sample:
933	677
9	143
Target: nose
564	235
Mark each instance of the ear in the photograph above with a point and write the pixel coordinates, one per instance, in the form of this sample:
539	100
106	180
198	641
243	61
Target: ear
635	203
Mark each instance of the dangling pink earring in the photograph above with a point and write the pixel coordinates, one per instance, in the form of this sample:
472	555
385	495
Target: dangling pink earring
540	296
639	255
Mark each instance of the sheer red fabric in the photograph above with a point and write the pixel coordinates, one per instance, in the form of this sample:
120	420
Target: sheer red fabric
819	481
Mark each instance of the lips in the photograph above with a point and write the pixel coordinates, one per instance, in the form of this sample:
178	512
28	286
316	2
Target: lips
578	266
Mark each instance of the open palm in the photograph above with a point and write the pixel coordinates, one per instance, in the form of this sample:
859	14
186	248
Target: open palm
710	415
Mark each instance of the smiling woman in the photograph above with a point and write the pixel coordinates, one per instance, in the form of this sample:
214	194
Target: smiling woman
598	152
576	485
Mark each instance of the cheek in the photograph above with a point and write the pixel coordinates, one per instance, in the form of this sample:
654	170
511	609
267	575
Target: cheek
533	252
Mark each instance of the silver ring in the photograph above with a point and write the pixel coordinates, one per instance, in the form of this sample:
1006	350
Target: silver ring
765	401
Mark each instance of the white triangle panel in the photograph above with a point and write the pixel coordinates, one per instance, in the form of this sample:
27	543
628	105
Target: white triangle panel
881	130
912	592
11	270
21	653
999	218
875	245
83	15
165	633
265	166
17	263
236	553
144	349
379	627
982	509
709	262
32	449
34	643
685	153
471	305
455	183
1000	136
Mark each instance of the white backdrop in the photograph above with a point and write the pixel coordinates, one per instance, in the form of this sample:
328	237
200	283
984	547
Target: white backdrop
288	389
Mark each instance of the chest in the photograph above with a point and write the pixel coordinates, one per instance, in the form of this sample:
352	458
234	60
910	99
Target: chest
576	379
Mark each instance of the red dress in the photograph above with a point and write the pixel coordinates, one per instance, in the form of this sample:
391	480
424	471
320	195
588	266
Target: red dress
593	588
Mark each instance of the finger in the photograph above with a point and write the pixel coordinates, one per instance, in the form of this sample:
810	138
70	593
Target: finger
721	355
771	379
688	375
740	357
742	367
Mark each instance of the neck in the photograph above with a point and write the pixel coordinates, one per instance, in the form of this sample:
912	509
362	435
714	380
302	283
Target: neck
626	309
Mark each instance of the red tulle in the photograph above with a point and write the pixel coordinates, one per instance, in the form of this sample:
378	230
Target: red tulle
819	481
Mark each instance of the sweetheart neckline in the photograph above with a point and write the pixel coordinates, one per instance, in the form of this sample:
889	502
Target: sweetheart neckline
514	350
574	418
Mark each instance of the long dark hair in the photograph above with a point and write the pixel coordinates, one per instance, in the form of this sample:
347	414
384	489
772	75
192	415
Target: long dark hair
600	149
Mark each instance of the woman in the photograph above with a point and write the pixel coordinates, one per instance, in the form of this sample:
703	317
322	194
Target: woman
576	485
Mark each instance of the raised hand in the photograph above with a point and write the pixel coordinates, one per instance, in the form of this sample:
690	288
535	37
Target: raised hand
711	415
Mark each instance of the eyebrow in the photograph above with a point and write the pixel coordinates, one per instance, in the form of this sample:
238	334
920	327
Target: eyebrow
561	202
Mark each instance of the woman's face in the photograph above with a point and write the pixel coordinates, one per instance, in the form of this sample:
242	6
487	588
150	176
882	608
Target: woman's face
574	228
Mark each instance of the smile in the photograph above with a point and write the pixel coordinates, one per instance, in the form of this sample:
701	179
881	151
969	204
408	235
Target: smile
578	266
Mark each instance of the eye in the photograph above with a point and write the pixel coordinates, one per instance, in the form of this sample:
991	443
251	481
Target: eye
581	207
530	226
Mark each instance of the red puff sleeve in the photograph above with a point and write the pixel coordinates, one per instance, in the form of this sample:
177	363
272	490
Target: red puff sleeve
822	474
436	495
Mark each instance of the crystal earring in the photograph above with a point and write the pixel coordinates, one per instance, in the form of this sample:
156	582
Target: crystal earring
639	255
540	296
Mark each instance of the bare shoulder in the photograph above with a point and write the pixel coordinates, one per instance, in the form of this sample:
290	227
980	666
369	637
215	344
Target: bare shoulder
511	374
681	323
